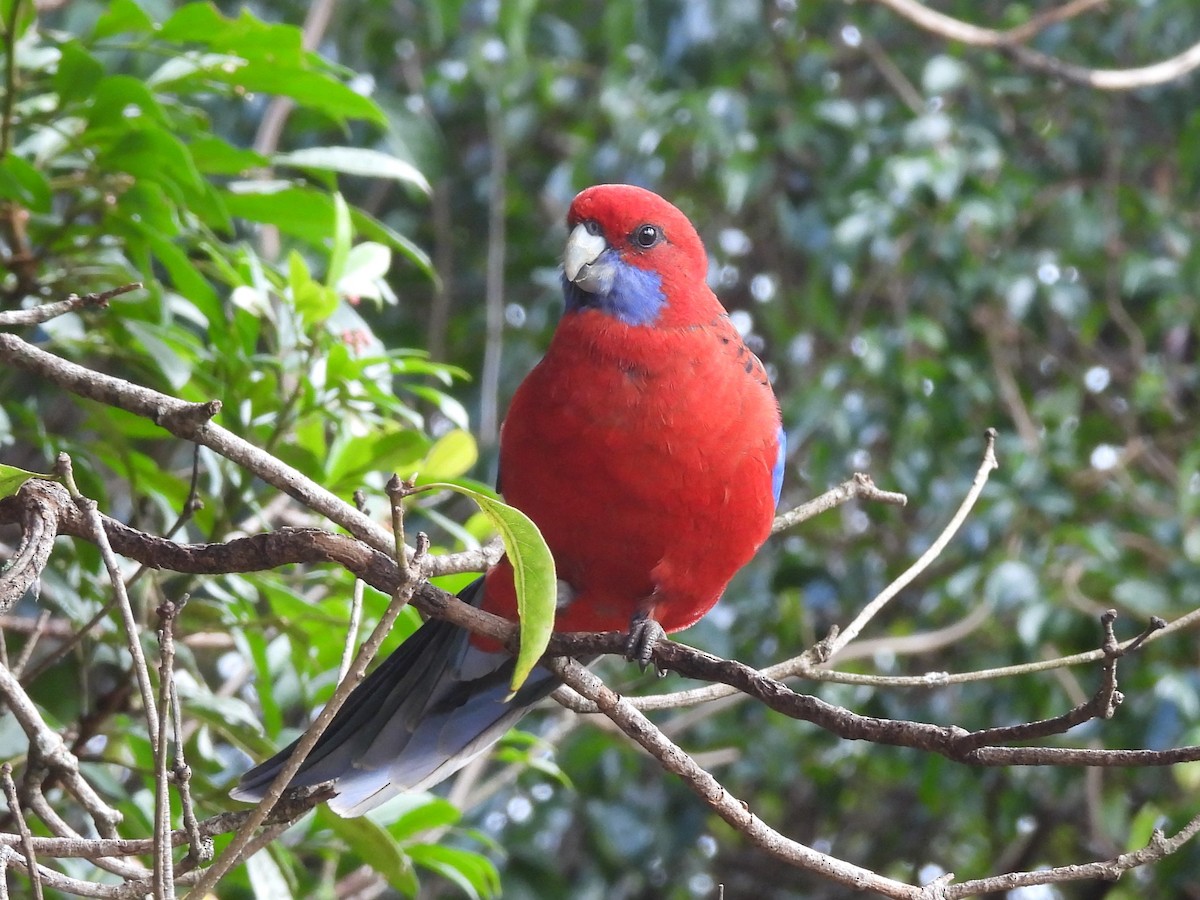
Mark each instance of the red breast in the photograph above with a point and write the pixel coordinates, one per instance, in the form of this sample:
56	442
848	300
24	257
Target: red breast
644	454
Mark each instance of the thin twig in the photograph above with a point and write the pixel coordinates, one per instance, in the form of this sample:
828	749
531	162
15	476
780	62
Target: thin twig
1159	847
48	748
5	852
14	808
164	861
893	75
27	651
1168	70
200	848
76	847
859	486
356	607
193	504
132	632
851	631
48	311
49	816
1053	16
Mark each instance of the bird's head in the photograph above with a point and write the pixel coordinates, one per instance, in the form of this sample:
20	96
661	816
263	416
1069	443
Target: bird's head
632	255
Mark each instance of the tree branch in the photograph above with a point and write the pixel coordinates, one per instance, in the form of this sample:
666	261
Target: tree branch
734	811
48	311
1010	42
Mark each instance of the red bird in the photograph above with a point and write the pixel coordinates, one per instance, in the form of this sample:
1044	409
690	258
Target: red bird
647	448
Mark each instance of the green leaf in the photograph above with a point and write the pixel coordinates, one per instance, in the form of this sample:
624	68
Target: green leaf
351	457
312	300
27	13
425	814
533	575
246	35
122	17
218	157
355	161
307	214
23	185
78	72
275	63
191	64
473	873
11	479
452	455
375	847
119	104
343	234
298	212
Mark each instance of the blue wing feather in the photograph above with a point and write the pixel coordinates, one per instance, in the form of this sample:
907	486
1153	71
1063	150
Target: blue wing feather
780	460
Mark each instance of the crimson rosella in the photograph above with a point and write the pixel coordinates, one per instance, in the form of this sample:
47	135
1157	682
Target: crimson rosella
647	448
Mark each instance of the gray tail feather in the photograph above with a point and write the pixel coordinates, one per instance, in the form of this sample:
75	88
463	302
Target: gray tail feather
428	709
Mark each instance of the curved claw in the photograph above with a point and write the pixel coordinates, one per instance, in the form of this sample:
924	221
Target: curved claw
644	635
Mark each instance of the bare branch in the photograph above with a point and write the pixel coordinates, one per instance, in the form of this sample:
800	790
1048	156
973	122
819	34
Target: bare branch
734	811
852	630
43	507
14	807
950	741
1159	848
164	874
38	516
859	486
296	804
48	311
50	750
95	524
953	29
1043	20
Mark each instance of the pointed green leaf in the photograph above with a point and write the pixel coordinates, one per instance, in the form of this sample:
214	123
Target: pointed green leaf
473	873
355	161
11	479
311	299
372	843
452	455
533	575
23	185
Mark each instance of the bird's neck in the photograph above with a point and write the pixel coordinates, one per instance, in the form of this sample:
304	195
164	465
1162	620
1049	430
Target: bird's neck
605	339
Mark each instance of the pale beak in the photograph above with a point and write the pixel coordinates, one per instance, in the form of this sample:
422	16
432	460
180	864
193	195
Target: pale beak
581	258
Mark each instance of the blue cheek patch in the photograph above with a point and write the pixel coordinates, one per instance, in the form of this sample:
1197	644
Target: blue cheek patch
631	295
777	472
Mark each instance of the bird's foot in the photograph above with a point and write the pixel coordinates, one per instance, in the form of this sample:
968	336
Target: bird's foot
644	635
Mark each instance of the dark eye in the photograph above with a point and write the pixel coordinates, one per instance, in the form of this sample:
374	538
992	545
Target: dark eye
646	236
591	226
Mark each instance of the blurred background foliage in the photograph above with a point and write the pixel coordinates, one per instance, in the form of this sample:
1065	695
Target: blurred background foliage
921	240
